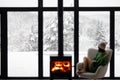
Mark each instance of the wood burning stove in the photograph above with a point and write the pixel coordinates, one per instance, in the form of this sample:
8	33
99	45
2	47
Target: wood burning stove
60	67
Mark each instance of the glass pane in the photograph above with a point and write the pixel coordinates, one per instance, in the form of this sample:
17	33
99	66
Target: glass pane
93	28
18	3
22	44
117	44
68	35
50	39
68	3
0	44
99	3
50	3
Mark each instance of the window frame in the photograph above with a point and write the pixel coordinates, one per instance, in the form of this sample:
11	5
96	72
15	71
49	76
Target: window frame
60	9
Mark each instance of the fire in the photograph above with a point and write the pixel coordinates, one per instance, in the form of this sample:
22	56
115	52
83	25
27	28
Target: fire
63	66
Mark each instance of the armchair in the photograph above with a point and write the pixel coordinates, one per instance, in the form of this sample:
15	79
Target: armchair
101	71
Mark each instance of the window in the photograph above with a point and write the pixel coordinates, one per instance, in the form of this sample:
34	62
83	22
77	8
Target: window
34	30
50	3
68	3
50	39
93	28
99	3
18	3
117	43
22	44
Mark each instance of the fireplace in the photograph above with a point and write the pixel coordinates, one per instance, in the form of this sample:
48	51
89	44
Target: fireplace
60	67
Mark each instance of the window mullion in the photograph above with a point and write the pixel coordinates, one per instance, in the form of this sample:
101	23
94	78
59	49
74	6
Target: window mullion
40	38
76	35
112	38
60	27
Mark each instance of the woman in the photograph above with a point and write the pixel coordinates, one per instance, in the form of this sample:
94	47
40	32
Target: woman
101	58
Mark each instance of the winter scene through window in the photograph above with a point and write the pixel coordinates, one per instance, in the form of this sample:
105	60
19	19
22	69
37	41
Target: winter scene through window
117	44
68	35
68	3
50	39
93	28
22	44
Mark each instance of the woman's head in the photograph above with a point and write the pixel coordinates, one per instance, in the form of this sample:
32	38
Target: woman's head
102	46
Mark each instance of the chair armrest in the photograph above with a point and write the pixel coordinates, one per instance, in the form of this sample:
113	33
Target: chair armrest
78	66
98	70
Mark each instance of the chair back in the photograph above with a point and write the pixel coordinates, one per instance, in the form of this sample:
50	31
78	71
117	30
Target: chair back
92	53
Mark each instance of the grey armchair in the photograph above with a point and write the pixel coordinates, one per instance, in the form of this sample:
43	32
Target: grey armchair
101	71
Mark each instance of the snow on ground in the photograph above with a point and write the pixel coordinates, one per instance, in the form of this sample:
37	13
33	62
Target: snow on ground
117	64
25	64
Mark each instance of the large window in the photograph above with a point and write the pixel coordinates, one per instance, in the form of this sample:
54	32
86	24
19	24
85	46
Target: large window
22	44
117	43
94	27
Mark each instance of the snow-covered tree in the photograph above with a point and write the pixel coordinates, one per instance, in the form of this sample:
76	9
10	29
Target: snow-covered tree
68	31
100	33
51	35
20	26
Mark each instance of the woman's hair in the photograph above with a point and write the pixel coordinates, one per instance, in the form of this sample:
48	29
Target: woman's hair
101	50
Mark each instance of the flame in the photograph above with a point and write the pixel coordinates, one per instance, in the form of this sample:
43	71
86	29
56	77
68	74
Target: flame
63	66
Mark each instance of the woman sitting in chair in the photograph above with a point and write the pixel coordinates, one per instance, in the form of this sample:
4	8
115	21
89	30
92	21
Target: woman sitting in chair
101	58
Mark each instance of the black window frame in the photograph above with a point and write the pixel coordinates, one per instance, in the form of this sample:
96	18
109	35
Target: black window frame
60	9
